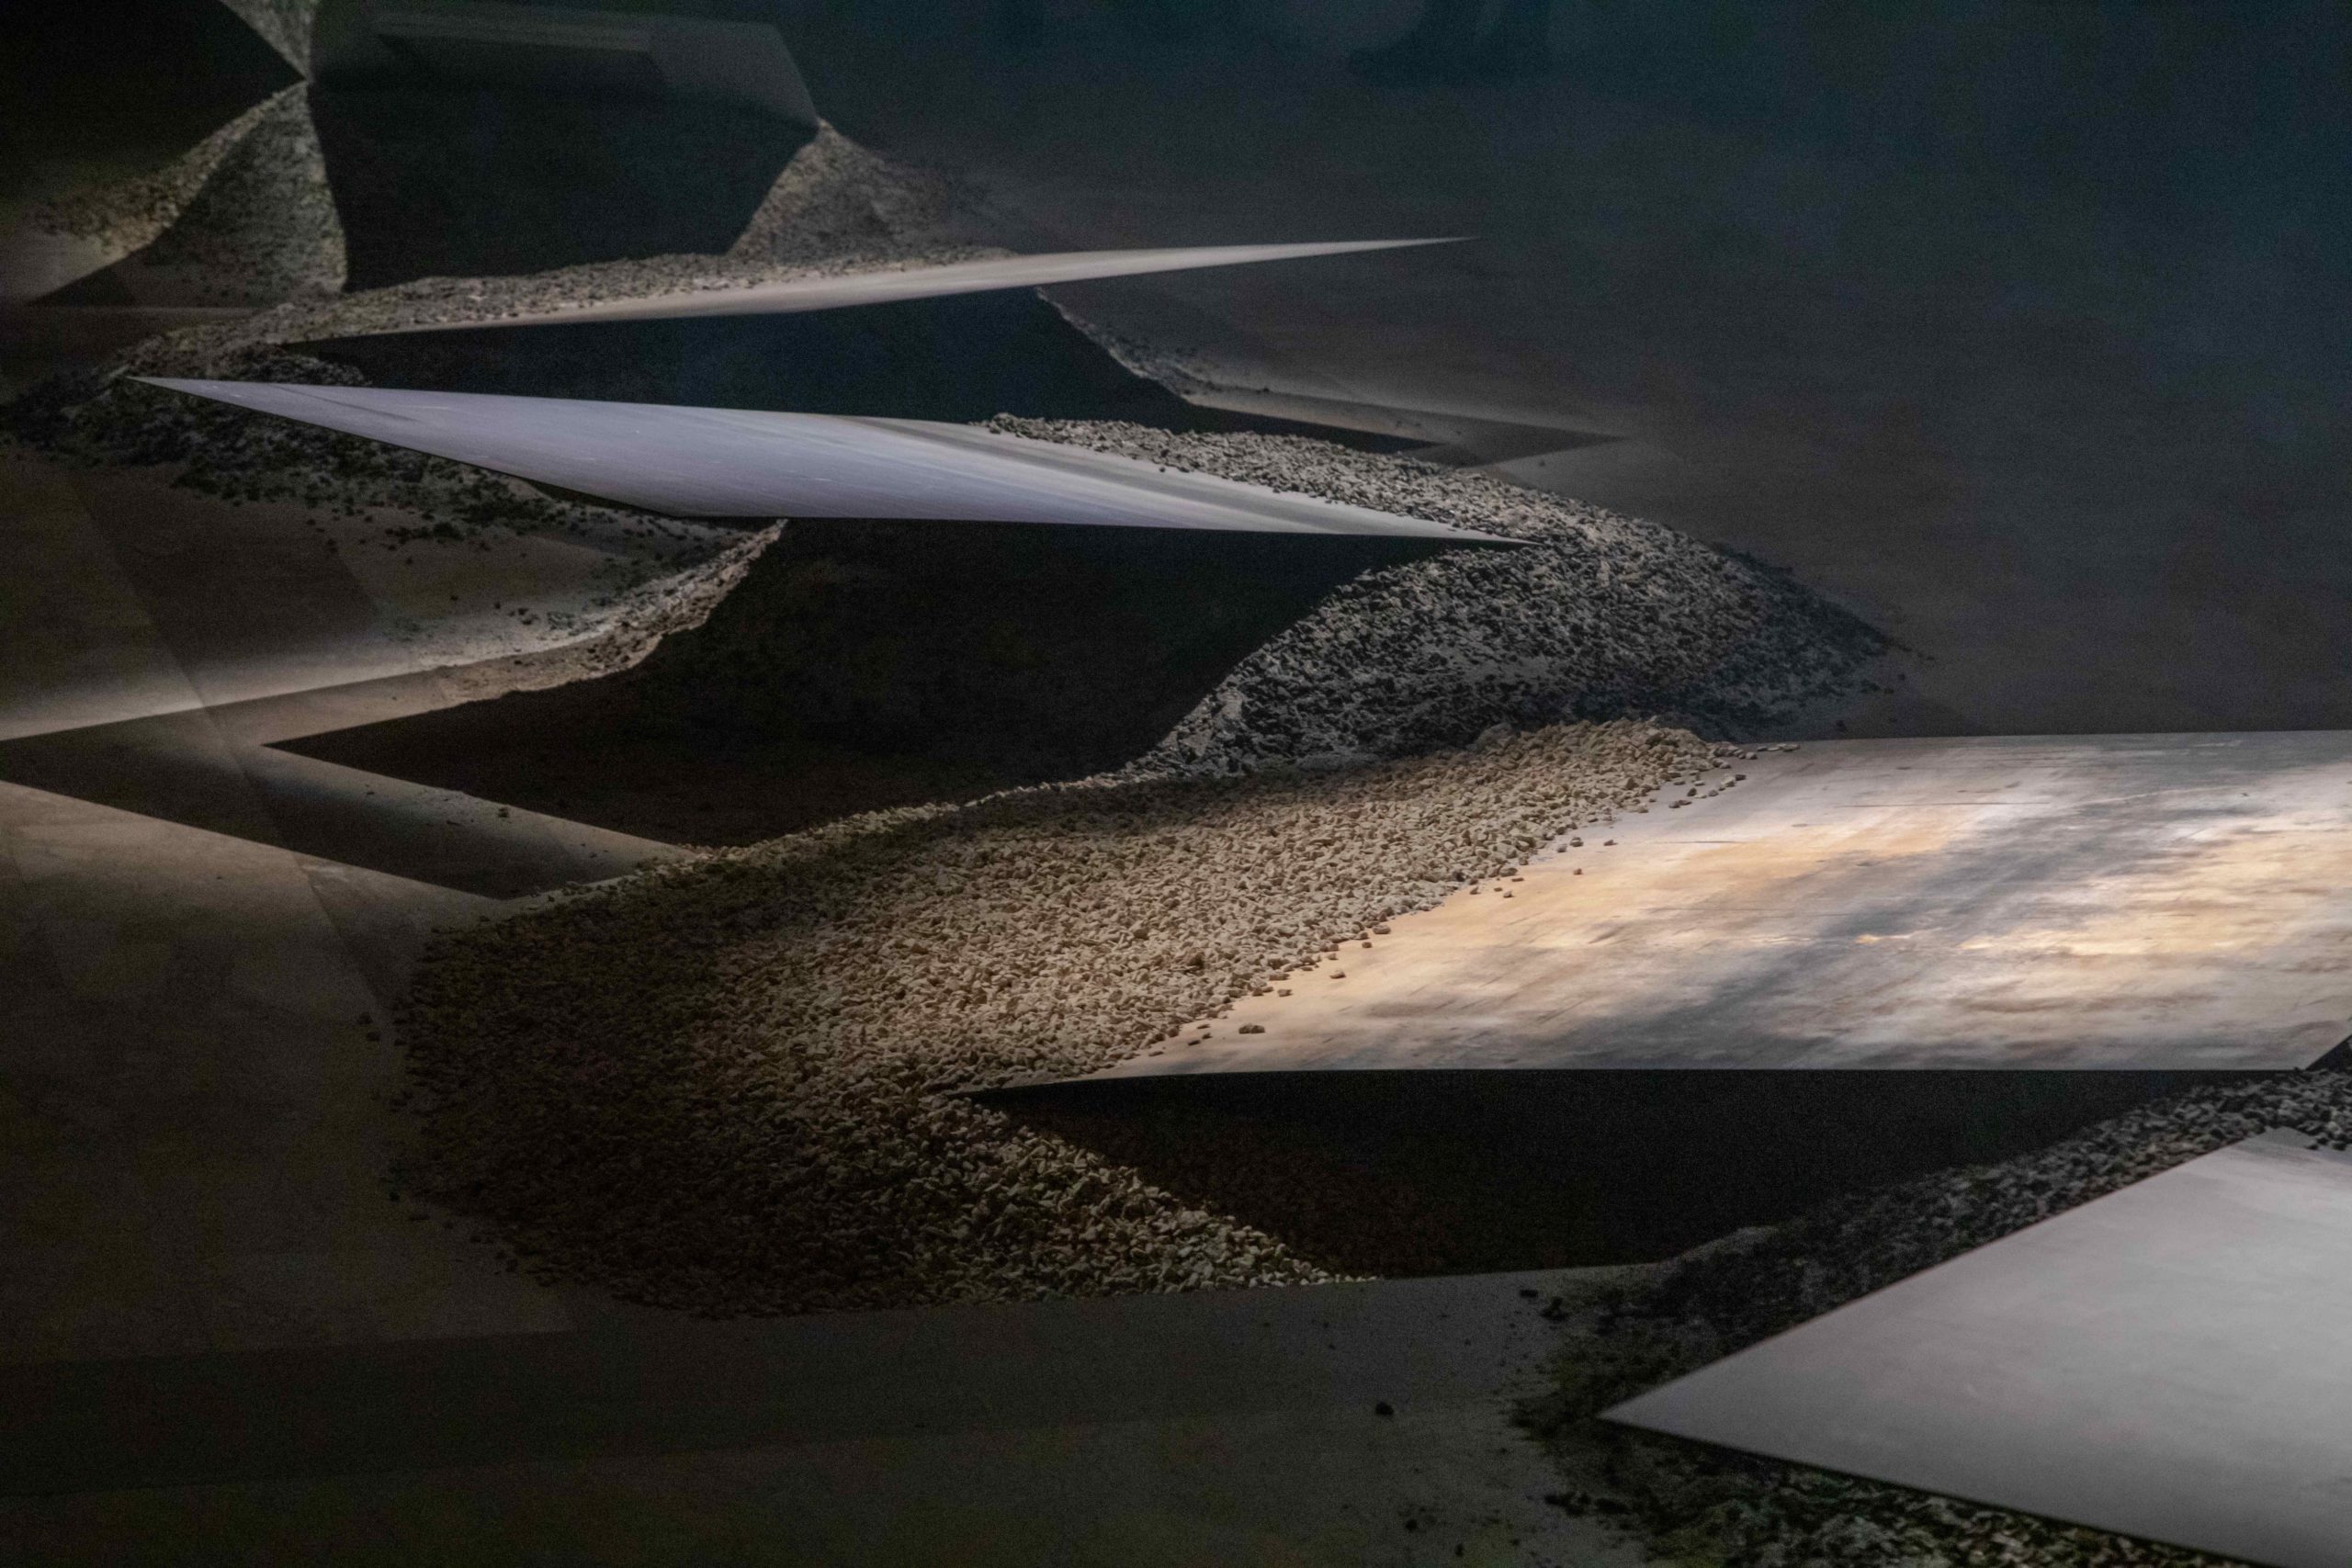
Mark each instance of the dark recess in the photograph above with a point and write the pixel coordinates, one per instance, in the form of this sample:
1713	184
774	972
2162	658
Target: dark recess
127	77
1465	1171
864	664
471	181
962	359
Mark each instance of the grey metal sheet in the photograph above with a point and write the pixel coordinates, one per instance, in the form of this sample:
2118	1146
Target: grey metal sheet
884	288
2172	902
2169	1361
695	462
581	48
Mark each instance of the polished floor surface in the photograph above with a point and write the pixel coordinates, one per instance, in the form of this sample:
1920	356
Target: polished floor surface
2103	901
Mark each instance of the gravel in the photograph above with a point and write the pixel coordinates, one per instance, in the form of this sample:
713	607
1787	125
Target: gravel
244	216
835	208
127	214
735	1086
1600	615
262	225
1716	1507
249	209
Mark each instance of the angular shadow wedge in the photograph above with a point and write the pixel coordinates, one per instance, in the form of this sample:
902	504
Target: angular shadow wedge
696	462
882	288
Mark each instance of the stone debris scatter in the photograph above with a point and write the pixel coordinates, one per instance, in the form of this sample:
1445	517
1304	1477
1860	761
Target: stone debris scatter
1603	615
737	1085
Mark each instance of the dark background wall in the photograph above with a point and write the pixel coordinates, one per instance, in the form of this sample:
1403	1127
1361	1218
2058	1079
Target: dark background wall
2019	326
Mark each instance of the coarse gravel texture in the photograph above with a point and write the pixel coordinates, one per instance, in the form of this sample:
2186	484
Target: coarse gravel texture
244	216
1599	615
836	208
262	226
735	1085
1702	1505
127	214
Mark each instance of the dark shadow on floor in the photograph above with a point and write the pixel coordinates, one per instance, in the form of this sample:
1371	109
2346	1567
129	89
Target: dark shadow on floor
136	79
590	752
961	358
868	664
1460	1172
463	182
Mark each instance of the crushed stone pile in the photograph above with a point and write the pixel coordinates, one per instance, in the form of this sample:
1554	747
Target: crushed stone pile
839	208
1718	1507
127	214
836	208
1600	615
244	216
248	216
735	1085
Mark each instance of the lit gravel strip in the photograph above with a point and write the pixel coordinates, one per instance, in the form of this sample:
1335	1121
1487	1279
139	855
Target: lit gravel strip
733	1086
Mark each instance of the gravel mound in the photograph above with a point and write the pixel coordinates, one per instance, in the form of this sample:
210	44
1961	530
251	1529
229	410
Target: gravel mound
252	205
128	214
245	217
1718	1507
262	228
1600	615
734	1086
839	208
835	208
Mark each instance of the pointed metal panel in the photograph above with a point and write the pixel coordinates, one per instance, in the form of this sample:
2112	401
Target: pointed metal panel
883	287
2166	1361
696	462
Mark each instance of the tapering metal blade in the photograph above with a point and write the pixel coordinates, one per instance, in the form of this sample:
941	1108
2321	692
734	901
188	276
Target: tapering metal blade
882	288
698	462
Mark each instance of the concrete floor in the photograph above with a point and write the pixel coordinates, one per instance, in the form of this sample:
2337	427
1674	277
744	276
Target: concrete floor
2153	902
1340	1424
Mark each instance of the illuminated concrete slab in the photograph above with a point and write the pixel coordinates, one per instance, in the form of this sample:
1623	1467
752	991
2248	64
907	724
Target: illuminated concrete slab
889	287
692	462
2173	902
2165	1362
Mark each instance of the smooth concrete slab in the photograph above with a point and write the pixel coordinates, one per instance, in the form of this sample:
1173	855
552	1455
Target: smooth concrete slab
885	287
2165	1362
691	462
2102	901
1340	1424
200	935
